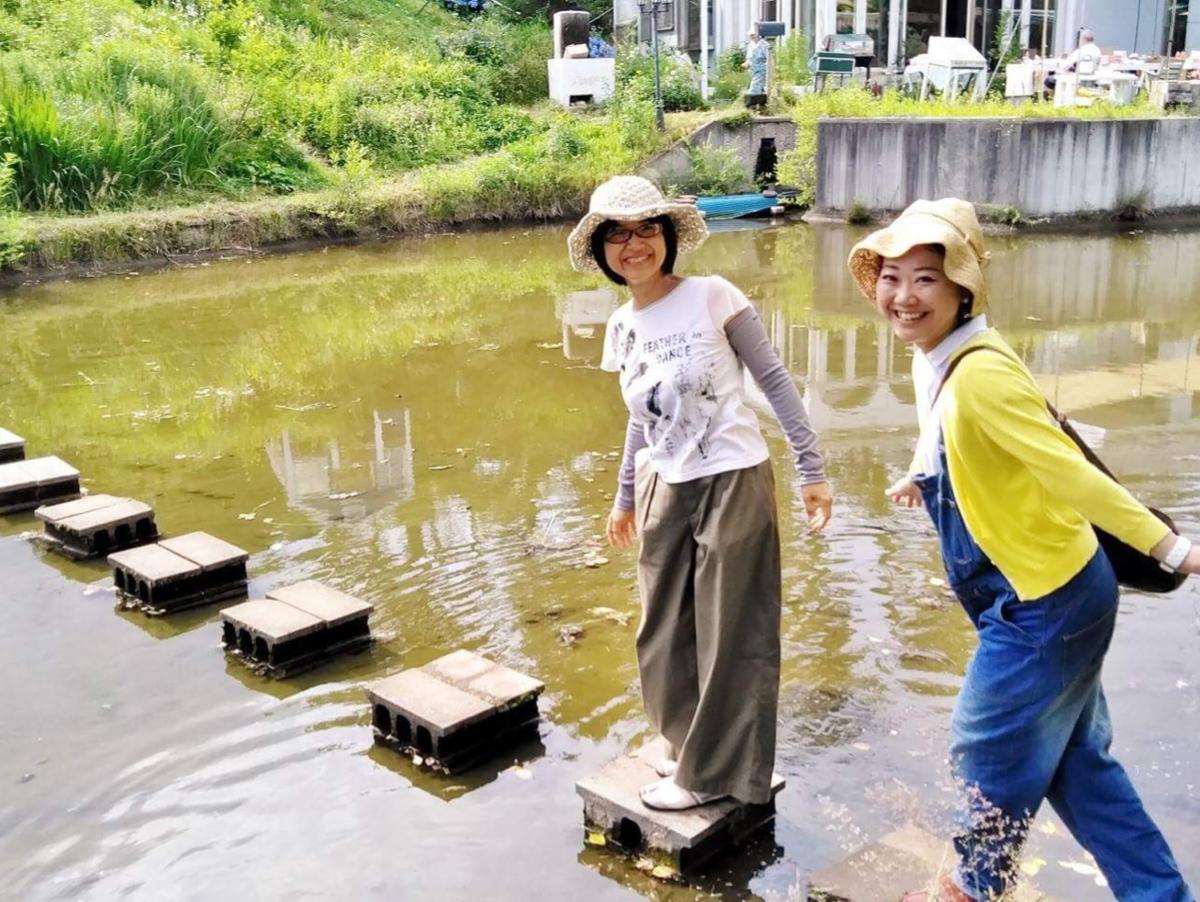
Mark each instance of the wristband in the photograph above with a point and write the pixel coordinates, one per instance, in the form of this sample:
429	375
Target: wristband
1177	555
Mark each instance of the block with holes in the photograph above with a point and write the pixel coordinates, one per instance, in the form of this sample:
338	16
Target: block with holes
97	525
179	573
296	627
12	446
26	484
455	711
685	839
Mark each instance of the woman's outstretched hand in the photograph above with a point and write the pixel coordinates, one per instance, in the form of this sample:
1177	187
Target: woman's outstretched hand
818	504
905	492
1191	563
621	528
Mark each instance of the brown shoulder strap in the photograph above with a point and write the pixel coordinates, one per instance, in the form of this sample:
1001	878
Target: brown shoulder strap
953	366
1062	421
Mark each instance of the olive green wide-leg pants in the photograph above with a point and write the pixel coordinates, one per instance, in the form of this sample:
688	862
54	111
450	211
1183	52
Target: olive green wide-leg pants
708	645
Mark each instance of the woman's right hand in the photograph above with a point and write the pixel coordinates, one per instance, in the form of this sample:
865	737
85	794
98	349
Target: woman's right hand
622	529
905	492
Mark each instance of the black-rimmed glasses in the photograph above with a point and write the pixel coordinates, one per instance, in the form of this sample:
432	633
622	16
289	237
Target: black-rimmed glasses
619	235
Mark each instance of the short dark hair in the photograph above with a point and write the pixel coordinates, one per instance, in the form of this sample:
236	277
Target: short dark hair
670	238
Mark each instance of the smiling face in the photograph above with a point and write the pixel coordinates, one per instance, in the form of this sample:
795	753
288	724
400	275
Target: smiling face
915	297
639	260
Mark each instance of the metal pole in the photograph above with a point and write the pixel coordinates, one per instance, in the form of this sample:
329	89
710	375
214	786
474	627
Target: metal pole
943	23
1045	24
658	104
704	49
1171	31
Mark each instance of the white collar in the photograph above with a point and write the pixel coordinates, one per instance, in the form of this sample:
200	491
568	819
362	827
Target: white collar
938	357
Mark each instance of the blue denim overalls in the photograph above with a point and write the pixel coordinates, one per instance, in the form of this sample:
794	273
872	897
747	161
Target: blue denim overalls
1031	722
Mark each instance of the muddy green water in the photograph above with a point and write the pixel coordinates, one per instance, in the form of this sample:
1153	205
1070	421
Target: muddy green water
423	424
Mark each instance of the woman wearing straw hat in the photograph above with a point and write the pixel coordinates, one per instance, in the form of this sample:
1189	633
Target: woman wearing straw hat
1013	500
708	569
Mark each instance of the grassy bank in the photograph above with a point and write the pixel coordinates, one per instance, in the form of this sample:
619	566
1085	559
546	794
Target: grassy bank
124	104
548	175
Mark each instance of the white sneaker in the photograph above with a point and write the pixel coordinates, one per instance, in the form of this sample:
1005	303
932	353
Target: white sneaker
664	795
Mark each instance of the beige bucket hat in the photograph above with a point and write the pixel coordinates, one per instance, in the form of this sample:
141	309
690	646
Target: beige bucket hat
950	222
631	197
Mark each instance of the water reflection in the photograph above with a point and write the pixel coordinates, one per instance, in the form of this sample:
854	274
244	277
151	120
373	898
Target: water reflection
584	315
348	481
423	425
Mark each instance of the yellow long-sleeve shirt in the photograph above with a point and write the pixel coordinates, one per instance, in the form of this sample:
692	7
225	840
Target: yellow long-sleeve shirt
1027	494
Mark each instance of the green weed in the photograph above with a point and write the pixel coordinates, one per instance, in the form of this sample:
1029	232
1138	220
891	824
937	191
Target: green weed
715	171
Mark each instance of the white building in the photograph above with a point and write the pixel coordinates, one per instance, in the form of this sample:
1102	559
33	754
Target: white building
901	27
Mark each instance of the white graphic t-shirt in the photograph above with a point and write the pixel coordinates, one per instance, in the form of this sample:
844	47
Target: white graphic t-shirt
683	383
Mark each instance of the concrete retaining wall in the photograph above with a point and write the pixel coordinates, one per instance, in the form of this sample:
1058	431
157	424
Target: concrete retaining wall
673	165
1043	168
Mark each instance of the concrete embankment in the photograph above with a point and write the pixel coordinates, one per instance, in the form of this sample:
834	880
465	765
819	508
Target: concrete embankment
1029	168
749	139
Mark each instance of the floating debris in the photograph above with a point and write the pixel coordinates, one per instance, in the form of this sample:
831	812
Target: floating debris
1031	866
618	617
570	634
437	468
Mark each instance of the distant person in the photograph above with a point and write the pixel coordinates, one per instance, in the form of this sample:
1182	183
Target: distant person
1013	500
1084	59
697	472
757	58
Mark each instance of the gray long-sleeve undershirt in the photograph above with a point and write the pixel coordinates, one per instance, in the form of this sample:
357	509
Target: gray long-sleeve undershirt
749	341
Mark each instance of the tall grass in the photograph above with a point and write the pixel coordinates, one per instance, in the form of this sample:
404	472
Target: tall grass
121	126
116	103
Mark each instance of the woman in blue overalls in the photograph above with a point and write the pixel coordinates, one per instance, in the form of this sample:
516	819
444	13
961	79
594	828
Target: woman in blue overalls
1013	501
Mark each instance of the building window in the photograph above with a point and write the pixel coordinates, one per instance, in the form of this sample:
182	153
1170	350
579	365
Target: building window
664	19
1177	25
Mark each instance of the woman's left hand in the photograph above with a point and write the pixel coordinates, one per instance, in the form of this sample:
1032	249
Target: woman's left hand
818	504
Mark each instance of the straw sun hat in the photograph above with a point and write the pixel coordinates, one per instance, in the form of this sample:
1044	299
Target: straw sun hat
949	222
631	197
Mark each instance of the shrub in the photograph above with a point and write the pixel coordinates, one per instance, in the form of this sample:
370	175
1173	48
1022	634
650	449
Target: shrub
858	214
678	78
732	78
511	56
791	59
715	171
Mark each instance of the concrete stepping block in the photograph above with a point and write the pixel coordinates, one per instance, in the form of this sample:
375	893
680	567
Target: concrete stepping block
906	859
179	573
12	446
97	525
686	839
334	607
296	627
27	484
454	711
